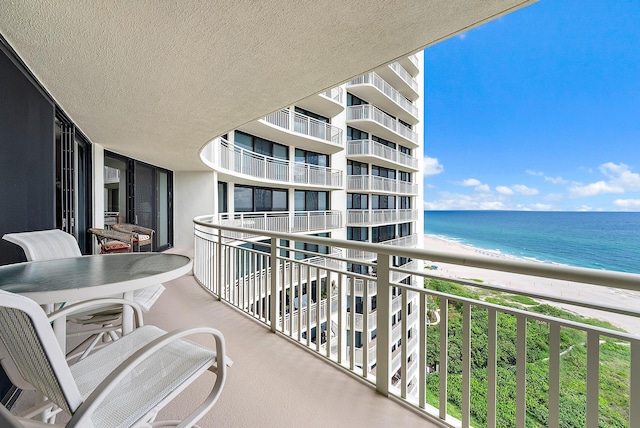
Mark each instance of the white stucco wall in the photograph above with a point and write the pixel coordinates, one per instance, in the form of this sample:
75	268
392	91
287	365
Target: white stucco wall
193	195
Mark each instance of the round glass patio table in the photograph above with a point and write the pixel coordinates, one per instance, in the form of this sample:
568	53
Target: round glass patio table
89	277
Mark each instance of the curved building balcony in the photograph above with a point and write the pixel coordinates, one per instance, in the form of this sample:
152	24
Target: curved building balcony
284	221
375	184
298	130
405	241
370	151
377	91
245	166
400	79
328	103
371	119
378	217
411	64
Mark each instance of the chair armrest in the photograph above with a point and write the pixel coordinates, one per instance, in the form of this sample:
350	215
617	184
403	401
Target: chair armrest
84	411
82	307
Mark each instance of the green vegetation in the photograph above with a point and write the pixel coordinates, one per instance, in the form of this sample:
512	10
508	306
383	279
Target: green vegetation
614	364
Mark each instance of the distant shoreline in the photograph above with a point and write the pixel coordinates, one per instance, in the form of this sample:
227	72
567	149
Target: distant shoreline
567	289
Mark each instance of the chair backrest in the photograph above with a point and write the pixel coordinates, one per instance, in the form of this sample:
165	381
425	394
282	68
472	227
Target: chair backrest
45	244
30	353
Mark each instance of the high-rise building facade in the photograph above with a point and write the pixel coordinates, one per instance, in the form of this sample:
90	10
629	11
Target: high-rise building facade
346	164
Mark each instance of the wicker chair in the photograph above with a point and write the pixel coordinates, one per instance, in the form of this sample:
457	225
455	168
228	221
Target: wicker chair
123	384
112	241
141	235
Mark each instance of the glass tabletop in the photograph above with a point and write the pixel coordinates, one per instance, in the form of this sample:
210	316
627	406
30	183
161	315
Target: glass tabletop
85	276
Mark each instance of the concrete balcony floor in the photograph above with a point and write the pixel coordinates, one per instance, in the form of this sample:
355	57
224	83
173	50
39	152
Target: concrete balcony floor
273	382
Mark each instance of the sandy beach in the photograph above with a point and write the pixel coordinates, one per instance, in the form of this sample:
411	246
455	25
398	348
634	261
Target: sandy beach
572	290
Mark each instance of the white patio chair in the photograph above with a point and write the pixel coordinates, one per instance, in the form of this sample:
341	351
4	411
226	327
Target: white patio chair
56	244
123	384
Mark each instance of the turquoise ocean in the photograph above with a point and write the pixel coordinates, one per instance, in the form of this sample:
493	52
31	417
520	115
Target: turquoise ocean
599	240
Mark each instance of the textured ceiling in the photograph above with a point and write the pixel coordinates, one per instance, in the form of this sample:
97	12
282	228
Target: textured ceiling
156	80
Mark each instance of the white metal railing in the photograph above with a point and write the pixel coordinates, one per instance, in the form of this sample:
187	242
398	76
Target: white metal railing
374	183
335	94
405	241
405	75
370	112
373	148
283	221
242	161
111	175
302	124
369	217
392	93
234	274
414	59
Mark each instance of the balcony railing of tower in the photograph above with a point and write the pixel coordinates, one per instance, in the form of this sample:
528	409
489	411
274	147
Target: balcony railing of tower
405	75
242	161
414	59
368	217
111	175
336	94
370	112
380	184
216	261
284	221
373	148
405	241
302	124
395	96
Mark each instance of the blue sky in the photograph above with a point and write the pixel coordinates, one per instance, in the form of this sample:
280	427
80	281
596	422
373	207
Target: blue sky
537	110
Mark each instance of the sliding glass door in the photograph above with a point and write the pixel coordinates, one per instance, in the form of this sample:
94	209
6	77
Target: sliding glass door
139	193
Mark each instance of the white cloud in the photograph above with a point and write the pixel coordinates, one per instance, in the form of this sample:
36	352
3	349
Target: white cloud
620	180
432	166
541	207
458	201
484	188
538	173
556	180
627	203
469	182
593	189
504	190
462	36
621	175
524	190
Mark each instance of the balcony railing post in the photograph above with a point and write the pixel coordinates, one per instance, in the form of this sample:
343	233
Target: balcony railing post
383	313
273	297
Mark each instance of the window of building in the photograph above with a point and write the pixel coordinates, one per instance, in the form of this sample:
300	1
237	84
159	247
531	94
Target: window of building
222	197
312	158
404	229
382	233
357	168
357	201
308	200
405	150
261	146
360	234
259	199
404	203
383	202
352	100
381	171
404	176
356	134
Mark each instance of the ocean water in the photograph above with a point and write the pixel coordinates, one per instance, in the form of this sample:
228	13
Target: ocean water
599	240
